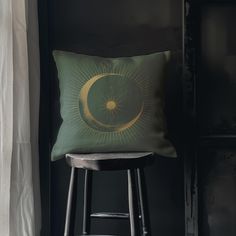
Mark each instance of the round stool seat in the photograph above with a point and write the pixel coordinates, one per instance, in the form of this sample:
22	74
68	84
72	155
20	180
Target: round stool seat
110	161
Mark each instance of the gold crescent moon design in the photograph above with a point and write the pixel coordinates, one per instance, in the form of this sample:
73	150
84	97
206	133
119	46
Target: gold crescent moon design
90	119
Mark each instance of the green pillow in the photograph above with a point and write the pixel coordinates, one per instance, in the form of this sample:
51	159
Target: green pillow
111	104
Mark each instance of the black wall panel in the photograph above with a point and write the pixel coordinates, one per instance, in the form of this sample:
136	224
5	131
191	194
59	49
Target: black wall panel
217	69
212	61
217	192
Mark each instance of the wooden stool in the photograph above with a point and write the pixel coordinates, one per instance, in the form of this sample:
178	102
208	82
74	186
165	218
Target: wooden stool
134	164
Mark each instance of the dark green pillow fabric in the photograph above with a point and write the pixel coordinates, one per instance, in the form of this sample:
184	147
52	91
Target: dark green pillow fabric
111	104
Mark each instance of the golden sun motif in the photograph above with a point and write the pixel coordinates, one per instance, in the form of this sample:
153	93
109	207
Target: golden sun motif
111	105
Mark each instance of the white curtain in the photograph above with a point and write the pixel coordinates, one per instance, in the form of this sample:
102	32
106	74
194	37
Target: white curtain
20	213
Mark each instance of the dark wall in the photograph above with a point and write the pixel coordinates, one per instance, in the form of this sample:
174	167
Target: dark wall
217	191
216	113
210	56
121	28
217	69
115	28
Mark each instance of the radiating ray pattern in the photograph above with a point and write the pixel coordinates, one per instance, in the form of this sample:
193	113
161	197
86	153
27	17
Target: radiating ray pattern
119	96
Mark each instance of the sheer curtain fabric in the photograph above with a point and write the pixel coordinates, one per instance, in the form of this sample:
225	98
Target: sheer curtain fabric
20	213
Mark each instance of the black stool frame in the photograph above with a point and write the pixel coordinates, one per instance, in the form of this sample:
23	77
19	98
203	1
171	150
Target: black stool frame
138	211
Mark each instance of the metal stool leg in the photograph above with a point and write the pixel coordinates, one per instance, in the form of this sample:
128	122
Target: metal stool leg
71	197
133	204
87	201
143	203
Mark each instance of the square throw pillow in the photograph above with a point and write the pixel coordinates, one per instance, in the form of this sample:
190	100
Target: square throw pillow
111	104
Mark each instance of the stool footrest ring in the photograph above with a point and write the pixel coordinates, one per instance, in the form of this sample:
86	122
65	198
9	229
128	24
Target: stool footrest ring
110	215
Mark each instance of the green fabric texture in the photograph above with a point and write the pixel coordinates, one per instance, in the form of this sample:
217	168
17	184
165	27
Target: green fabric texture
111	104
